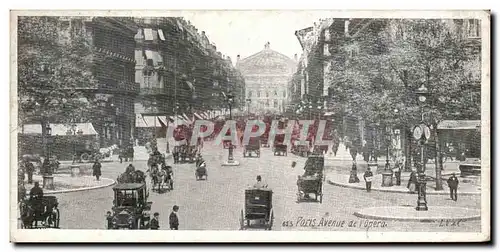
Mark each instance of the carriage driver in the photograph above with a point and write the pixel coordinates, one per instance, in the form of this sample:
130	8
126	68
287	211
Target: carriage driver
130	168
36	192
199	160
259	184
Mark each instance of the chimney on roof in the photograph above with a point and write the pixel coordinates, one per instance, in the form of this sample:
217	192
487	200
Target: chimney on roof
203	32
267	46
295	57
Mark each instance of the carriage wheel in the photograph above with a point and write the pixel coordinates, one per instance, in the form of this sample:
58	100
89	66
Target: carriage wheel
57	218
242	220
85	157
271	219
98	156
321	198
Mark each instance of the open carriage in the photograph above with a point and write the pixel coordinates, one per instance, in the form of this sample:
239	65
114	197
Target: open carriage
185	153
279	147
258	212
201	171
130	210
253	147
38	213
312	180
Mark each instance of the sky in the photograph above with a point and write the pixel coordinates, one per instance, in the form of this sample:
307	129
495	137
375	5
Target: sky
246	32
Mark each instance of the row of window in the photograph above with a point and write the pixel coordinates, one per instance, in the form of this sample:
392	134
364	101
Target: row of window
250	93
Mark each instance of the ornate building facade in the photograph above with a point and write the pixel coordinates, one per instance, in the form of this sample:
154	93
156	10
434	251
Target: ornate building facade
179	72
267	74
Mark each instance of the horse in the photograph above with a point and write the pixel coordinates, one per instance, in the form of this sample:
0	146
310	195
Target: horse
157	177
169	180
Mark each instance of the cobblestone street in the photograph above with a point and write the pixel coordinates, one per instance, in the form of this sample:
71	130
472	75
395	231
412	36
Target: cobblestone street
216	203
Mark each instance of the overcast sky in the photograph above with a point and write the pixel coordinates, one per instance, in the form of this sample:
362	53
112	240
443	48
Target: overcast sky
246	32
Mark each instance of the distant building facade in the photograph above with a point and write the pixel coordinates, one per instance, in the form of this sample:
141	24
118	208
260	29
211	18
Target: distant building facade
267	74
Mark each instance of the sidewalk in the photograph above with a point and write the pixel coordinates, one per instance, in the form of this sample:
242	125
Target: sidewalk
65	183
467	186
448	215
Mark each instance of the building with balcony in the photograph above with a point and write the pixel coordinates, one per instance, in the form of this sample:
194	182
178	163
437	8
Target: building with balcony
331	45
267	74
178	71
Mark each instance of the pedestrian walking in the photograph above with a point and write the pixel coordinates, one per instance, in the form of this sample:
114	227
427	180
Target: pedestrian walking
30	169
453	185
368	176
397	172
155	222
96	170
366	152
412	182
109	220
174	219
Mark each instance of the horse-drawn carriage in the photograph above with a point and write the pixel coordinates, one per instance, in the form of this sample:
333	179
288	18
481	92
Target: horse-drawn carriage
130	210
312	180
301	150
161	174
280	150
185	153
253	146
258	212
127	153
162	177
39	212
201	170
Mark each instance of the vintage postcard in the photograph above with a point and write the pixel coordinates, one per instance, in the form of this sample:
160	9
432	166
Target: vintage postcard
200	126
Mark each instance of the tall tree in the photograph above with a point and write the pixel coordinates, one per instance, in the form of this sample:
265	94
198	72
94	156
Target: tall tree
54	71
388	65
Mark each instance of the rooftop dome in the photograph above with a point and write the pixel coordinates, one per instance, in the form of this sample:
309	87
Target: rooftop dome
266	61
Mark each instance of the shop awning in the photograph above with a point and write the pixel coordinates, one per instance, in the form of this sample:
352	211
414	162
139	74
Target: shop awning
459	124
163	120
149	54
152	121
148	34
205	114
155	56
198	117
139	122
87	129
190	85
160	34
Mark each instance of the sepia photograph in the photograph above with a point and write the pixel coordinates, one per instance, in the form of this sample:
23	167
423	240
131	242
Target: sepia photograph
360	126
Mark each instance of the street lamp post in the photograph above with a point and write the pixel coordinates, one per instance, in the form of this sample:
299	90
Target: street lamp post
248	106
49	134
421	133
388	142
48	179
230	158
73	132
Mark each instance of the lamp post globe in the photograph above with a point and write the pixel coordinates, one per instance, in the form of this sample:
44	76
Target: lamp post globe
230	159
422	93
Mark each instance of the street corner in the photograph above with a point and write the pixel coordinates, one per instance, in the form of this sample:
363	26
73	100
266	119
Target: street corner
342	180
67	183
409	213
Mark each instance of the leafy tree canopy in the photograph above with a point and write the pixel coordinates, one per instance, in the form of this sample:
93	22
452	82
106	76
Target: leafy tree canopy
54	70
